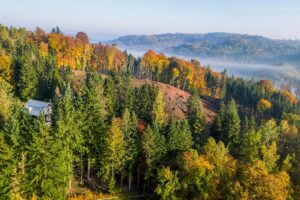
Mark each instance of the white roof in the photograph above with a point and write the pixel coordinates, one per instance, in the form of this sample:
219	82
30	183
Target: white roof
35	107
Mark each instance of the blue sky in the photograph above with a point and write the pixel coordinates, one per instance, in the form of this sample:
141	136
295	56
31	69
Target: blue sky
107	19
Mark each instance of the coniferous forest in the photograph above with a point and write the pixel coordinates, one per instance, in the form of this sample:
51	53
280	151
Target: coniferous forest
111	137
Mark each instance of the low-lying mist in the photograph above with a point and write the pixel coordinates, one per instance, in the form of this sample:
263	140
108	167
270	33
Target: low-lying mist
282	75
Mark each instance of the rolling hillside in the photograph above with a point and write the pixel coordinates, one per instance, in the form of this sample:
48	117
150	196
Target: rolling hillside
175	98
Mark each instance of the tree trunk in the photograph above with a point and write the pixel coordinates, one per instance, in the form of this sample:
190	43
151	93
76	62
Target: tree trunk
121	181
70	184
138	178
81	169
183	87
129	181
88	170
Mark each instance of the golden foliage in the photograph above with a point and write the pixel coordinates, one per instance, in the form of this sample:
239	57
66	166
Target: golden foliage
267	85
260	184
6	67
264	105
289	96
89	196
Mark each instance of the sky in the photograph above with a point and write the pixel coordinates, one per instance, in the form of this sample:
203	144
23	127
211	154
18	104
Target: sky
108	19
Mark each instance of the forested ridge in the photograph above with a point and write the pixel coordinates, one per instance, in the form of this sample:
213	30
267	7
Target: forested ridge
227	46
108	137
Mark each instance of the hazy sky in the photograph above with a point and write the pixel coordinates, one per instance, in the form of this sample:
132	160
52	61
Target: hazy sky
106	19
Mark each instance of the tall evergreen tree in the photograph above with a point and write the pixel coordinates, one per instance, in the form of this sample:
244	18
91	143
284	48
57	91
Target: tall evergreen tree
95	115
110	93
159	116
231	127
154	149
197	121
26	78
131	139
250	142
113	155
6	168
66	128
179	136
47	167
217	125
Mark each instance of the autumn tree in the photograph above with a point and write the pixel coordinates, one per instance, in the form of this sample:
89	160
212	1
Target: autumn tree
6	71
168	184
260	184
6	101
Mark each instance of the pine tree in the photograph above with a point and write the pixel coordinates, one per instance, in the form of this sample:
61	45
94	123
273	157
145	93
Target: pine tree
113	154
270	156
197	121
66	128
110	94
131	139
46	81
217	125
250	141
154	149
6	168
125	96
159	116
95	115
143	100
17	133
47	167
25	74
231	127
179	136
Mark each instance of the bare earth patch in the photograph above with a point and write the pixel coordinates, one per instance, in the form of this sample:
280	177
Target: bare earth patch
176	100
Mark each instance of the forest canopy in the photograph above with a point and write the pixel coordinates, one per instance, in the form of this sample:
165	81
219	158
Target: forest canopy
114	138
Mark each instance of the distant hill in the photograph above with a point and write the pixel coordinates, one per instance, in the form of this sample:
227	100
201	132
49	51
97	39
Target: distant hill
216	45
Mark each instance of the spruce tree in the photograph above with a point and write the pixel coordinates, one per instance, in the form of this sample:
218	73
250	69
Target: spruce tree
131	139
231	127
110	94
7	160
113	154
95	114
26	78
197	121
179	136
217	125
66	128
159	116
250	141
47	168
154	149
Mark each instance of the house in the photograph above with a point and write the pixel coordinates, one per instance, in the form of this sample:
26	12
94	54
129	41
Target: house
36	108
